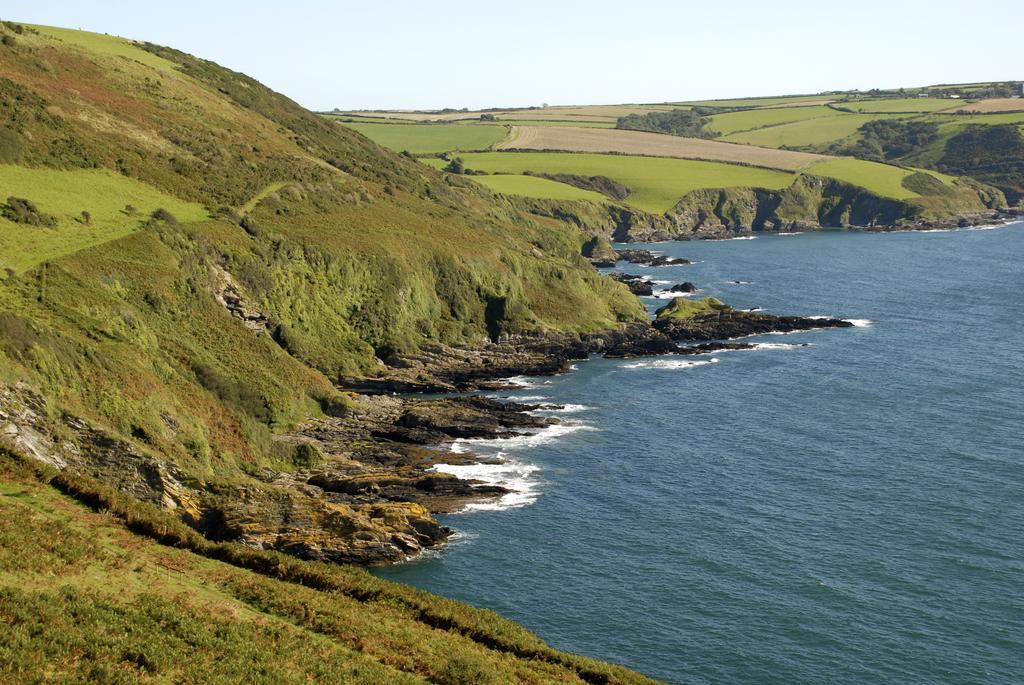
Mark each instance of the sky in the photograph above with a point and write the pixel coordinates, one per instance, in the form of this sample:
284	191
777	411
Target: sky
378	54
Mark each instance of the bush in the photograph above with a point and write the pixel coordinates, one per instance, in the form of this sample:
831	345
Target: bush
8	41
163	215
86	217
22	211
455	166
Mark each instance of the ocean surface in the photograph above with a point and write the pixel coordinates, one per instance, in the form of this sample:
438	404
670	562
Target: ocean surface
851	511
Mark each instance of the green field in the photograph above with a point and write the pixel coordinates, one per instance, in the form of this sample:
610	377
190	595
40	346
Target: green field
432	138
65	194
802	134
657	182
543	188
900	105
748	120
882	179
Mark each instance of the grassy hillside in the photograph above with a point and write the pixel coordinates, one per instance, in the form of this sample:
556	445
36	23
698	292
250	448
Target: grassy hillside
115	205
118	591
541	188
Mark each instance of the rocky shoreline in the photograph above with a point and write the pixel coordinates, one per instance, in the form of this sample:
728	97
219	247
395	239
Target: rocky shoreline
363	486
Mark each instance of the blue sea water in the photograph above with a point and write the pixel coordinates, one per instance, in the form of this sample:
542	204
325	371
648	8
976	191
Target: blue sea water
847	512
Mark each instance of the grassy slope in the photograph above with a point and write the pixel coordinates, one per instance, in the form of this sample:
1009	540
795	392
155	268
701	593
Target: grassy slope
882	179
541	188
427	138
657	182
65	194
900	105
803	134
747	120
90	596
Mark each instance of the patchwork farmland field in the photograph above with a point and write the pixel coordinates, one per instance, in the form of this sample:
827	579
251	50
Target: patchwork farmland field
994	105
748	120
542	188
913	105
654	144
809	133
657	182
432	138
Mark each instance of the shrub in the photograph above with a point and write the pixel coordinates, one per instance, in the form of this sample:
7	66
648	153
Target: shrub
8	41
86	217
455	166
22	211
163	215
130	210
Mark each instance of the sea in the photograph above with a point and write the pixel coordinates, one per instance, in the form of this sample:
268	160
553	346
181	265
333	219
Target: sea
834	506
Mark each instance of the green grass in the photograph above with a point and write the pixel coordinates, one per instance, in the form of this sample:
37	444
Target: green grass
100	43
900	105
432	138
657	182
542	188
985	119
882	179
65	194
683	308
748	120
809	133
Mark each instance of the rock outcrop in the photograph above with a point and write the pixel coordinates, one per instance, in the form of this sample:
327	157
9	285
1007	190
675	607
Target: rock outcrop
708	319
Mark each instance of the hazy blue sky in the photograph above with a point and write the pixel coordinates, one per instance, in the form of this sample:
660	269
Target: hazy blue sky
417	54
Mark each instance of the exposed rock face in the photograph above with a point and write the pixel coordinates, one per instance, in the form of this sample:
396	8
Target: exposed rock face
369	499
231	295
648	258
683	288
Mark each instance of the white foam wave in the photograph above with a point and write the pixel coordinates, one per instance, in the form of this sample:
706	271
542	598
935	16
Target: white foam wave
740	282
743	237
780	346
517	476
529	398
669	364
788	233
860	323
661	282
669	295
542	437
563	409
